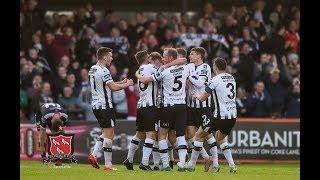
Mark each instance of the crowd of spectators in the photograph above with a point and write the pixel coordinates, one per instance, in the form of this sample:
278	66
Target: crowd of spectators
261	45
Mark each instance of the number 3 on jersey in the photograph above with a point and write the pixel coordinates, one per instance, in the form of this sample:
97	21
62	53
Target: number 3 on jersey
177	81
231	90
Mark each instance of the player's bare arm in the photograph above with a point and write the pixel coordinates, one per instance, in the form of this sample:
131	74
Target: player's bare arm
201	96
116	87
143	79
178	61
122	82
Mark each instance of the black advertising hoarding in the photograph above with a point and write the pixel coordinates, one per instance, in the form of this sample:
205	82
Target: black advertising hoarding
251	140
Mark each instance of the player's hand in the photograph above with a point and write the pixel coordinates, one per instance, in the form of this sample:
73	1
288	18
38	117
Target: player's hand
130	82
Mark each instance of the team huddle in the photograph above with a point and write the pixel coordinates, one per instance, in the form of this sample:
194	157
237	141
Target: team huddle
180	106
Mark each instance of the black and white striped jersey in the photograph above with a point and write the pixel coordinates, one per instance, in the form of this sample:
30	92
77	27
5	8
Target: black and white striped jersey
223	87
147	92
201	76
47	110
173	84
99	77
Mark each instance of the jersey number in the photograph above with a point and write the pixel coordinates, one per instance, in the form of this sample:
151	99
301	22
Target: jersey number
231	90
142	86
94	83
205	120
177	81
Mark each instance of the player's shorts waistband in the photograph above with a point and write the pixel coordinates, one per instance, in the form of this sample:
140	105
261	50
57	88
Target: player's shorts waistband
176	105
100	107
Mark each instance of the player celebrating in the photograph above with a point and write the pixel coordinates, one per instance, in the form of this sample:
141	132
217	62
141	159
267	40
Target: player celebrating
101	86
49	115
146	114
200	111
223	86
174	107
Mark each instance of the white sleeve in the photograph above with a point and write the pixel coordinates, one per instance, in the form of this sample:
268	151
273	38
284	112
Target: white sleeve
212	85
197	80
106	76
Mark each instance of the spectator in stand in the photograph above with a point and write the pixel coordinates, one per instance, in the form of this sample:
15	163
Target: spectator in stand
235	56
263	67
296	18
138	27
149	41
76	109
208	13
276	44
124	29
132	94
61	22
106	24
292	37
241	101
37	44
71	82
33	95
293	100
57	46
246	38
46	93
23	101
85	93
34	90
208	27
259	102
119	97
258	32
240	14
65	62
230	29
41	64
260	13
278	91
162	25
84	47
27	73
245	68
84	17
34	19
277	15
59	81
169	39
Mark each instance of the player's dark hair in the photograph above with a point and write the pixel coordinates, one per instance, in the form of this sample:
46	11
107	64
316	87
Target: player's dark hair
172	52
220	63
56	124
199	50
102	52
182	52
141	56
155	56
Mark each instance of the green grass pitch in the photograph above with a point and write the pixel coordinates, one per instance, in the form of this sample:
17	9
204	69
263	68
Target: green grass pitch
36	170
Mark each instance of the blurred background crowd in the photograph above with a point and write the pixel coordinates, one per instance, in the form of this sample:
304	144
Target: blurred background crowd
259	39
